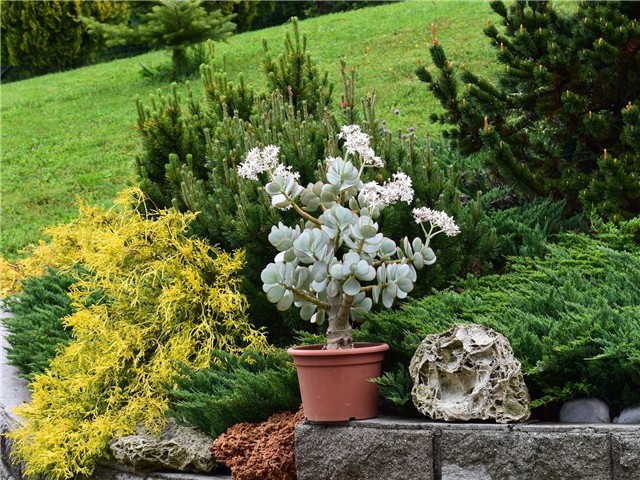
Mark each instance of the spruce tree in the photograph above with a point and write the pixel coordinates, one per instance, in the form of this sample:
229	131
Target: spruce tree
172	24
562	118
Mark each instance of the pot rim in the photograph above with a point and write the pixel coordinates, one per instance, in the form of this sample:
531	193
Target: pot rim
317	349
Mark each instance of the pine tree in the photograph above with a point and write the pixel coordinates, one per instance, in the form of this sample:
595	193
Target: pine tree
562	119
294	74
172	24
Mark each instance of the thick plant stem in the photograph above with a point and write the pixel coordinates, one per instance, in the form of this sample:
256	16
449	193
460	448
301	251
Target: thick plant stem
339	333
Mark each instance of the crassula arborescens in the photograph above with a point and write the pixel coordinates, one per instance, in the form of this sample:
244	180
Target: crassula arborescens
336	264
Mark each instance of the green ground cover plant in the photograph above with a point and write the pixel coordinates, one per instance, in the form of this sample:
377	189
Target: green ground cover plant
572	317
246	388
71	133
35	332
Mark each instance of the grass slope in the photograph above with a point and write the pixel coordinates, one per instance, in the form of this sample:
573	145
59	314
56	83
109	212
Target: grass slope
73	134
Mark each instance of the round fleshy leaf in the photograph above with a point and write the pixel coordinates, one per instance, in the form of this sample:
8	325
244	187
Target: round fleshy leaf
289	255
362	267
273	188
381	273
418	261
333	288
351	286
405	284
312	205
388	247
429	256
368	231
307	311
270	275
403	270
387	298
336	271
417	244
285	302
276	293
375	293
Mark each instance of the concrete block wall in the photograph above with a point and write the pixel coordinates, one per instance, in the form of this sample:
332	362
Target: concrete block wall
390	449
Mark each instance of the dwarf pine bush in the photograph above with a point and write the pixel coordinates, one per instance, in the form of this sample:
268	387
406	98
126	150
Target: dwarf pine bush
562	118
165	300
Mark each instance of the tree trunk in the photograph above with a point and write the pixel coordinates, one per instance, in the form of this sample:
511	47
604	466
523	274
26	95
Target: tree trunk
177	63
339	333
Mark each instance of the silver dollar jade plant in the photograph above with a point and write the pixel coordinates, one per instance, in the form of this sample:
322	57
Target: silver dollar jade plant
335	264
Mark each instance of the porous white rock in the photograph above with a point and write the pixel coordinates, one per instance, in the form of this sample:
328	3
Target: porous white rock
468	372
176	448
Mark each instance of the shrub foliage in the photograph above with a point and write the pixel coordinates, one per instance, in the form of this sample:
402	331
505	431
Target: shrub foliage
233	389
572	317
35	331
47	36
165	299
563	117
192	149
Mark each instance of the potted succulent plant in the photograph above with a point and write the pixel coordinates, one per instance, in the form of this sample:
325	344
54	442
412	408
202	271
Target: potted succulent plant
335	265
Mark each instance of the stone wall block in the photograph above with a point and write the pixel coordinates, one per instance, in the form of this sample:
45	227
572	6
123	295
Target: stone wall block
348	453
626	455
517	455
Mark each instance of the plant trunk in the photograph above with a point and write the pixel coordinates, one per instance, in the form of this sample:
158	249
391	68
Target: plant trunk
177	63
339	333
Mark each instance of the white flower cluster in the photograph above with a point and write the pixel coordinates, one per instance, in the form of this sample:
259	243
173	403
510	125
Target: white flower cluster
286	173
259	161
356	141
437	219
400	189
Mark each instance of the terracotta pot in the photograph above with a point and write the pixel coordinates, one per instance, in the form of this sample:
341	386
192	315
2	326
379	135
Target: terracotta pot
335	385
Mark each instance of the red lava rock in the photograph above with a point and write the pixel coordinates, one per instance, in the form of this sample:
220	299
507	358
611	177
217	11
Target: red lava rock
260	451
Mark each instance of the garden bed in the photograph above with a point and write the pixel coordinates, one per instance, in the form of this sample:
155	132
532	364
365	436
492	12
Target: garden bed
397	448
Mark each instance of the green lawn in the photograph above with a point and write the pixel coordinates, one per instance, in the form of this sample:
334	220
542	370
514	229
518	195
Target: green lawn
72	134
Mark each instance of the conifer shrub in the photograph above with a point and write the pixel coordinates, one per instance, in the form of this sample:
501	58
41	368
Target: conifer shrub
295	76
165	299
562	119
35	331
572	317
47	36
233	389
